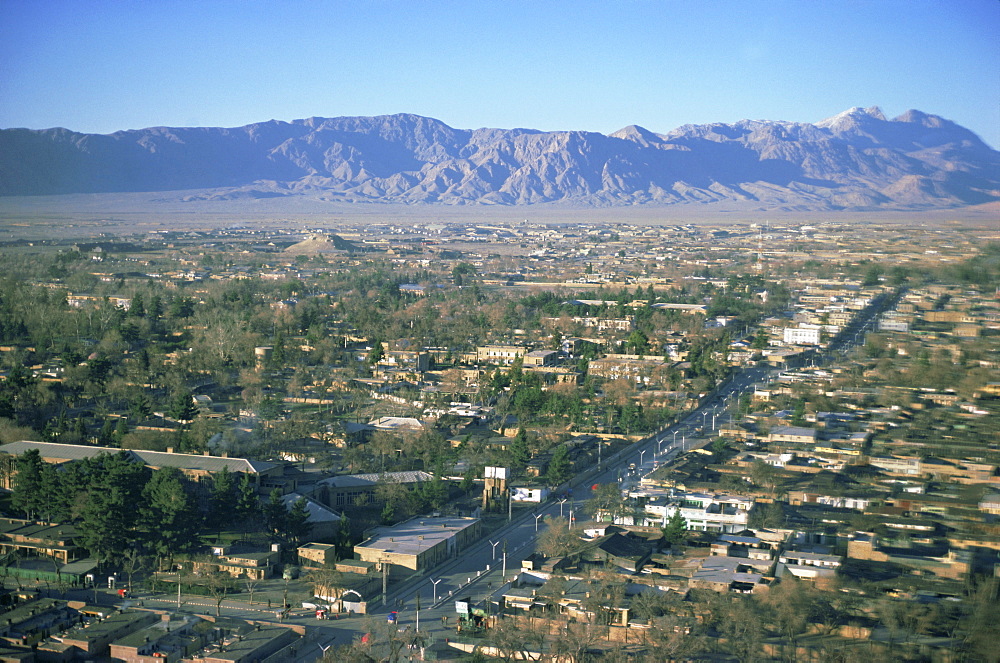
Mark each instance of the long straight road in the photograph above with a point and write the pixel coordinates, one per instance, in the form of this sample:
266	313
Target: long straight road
481	569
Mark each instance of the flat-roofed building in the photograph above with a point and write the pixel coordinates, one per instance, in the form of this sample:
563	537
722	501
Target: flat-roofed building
317	554
419	543
792	435
803	335
541	358
499	354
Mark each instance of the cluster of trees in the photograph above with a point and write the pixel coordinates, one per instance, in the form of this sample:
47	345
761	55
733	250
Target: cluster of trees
766	627
117	504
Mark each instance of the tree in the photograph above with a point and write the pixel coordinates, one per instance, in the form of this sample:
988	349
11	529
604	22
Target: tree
760	340
560	468
607	503
558	539
109	516
275	513
218	585
376	354
104	525
221	499
435	492
297	525
764	475
509	641
169	514
28	495
743	628
638	342
676	530
462	272
791	601
247	510
132	561
182	407
518	451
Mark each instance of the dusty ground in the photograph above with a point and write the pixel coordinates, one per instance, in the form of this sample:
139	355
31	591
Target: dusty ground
89	215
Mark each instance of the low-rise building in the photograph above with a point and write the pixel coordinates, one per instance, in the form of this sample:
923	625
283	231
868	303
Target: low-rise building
499	354
419	543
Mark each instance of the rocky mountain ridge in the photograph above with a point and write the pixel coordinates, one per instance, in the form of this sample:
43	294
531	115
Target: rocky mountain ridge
857	159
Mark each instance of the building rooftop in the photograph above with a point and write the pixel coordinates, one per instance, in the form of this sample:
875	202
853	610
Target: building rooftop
68	452
416	535
370	479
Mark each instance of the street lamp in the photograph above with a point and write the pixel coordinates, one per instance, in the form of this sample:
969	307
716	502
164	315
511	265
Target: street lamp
674	443
435	583
536	520
494	544
641	454
561	502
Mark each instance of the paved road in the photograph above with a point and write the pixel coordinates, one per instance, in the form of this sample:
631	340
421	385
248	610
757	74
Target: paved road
479	571
483	569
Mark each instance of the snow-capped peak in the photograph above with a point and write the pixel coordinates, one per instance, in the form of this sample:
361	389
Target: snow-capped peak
850	116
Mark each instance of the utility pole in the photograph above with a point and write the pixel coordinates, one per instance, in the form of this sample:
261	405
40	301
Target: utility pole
504	575
418	612
385	581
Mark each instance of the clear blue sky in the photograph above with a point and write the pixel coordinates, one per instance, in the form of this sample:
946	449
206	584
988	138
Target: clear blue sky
598	65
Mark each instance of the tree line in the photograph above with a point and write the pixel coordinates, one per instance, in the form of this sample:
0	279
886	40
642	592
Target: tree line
117	503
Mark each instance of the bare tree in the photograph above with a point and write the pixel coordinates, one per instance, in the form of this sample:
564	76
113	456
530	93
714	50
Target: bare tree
133	562
558	539
218	585
741	625
508	640
251	584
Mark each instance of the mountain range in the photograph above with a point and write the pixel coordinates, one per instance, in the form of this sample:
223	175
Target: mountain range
856	160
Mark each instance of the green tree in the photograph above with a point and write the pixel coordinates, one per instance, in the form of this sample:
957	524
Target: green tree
435	492
638	342
676	530
275	513
297	525
560	468
518	452
105	523
607	504
462	272
28	495
222	499
110	515
182	407
719	446
248	511
140	407
376	354
169	514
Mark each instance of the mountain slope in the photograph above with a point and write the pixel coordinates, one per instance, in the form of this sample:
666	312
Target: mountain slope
857	159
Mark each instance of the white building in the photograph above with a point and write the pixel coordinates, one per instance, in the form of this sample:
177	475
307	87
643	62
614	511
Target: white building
803	335
709	512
